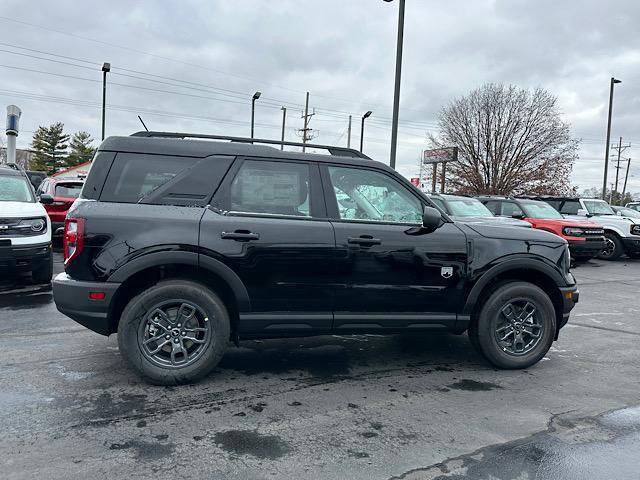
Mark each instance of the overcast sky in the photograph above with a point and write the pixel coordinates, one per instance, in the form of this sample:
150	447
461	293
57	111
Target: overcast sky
342	52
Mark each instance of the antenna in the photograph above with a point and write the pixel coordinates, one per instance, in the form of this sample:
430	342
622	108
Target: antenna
145	127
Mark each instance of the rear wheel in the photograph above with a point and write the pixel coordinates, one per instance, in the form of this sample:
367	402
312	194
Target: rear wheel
613	247
515	327
175	332
44	272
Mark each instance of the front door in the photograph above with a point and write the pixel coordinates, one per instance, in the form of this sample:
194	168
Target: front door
390	274
268	224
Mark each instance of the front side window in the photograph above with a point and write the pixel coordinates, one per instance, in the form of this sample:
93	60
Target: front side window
468	207
598	207
277	188
368	195
68	190
569	207
493	206
15	189
510	209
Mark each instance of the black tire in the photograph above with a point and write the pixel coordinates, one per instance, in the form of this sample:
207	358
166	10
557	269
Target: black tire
482	330
614	247
44	272
134	324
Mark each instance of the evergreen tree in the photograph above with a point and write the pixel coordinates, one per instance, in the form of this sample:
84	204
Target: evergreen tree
80	149
50	145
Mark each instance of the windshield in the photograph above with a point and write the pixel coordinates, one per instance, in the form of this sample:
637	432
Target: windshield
598	207
15	189
468	207
540	210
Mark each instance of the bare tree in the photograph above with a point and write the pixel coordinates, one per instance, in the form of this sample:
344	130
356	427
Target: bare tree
510	140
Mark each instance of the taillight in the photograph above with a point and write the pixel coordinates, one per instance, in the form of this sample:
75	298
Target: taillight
73	241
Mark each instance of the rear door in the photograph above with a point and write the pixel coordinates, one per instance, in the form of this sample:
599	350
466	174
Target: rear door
268	223
389	275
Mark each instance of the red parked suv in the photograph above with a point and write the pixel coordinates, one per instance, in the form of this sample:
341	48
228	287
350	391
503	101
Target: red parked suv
585	238
64	192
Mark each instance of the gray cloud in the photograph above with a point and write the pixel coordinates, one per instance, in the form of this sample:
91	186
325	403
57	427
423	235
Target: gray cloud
342	52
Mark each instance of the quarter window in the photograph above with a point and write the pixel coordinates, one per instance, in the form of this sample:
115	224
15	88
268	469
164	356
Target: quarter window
368	195
277	188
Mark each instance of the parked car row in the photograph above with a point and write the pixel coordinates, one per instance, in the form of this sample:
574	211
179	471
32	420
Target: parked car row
591	227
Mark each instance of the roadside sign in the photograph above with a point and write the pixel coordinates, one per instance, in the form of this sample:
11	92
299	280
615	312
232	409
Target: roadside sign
440	155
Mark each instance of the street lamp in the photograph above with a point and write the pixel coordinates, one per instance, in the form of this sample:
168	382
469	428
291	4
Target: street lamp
396	92
255	97
106	67
606	150
366	115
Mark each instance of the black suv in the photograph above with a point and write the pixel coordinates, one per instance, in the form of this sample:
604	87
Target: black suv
180	245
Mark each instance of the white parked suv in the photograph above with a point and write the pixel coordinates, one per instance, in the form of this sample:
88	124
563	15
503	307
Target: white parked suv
622	234
25	228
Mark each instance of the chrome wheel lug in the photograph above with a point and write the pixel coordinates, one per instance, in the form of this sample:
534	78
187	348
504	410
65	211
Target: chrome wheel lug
167	337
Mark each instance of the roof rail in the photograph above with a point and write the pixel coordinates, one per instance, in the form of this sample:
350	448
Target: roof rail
333	150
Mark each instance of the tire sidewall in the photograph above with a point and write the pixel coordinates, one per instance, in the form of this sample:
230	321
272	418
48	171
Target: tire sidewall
489	315
138	308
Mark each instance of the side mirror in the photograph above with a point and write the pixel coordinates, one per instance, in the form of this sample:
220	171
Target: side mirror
517	216
46	199
619	213
431	219
583	213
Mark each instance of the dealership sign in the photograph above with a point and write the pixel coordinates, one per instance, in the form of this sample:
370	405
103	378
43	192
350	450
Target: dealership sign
440	155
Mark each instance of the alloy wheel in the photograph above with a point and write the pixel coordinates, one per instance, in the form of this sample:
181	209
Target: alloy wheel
518	328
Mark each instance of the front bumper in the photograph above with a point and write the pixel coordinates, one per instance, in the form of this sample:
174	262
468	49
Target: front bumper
72	299
631	245
586	248
23	258
570	296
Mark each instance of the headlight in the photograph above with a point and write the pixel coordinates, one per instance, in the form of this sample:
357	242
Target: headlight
35	225
635	229
572	231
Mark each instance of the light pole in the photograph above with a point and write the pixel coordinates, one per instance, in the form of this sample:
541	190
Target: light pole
606	150
106	67
284	119
366	115
255	97
396	92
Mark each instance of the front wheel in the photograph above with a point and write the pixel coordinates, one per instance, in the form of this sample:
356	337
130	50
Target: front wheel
515	327
175	332
613	247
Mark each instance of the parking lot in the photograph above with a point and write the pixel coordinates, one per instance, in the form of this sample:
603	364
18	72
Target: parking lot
413	407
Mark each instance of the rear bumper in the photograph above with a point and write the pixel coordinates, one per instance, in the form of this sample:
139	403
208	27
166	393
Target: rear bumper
23	258
631	245
586	248
570	296
72	299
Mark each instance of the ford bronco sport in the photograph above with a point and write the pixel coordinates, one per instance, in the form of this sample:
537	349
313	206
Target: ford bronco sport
181	243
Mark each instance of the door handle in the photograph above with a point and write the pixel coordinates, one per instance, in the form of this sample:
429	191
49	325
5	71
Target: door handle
364	240
240	236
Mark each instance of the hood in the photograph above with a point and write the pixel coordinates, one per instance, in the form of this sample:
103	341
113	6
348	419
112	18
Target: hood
509	233
572	222
22	209
615	220
504	221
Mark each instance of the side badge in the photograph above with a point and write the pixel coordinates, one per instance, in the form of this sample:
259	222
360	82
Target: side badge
446	272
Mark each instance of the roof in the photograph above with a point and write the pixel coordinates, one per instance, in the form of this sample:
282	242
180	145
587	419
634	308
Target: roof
7	170
71	168
204	148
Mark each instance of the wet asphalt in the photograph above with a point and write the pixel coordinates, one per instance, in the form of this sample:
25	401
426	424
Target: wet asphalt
364	407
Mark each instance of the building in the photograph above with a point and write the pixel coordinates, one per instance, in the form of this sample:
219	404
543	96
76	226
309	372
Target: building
79	172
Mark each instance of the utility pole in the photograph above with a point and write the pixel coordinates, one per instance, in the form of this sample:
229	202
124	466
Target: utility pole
620	148
606	151
306	131
626	177
396	91
284	118
349	134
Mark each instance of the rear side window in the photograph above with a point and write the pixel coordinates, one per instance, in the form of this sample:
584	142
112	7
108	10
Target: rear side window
69	190
278	188
132	176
